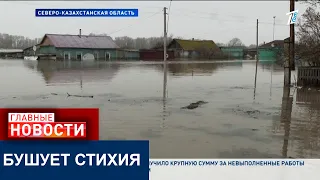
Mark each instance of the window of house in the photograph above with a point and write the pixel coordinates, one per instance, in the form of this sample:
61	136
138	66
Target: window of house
66	56
79	56
107	56
96	56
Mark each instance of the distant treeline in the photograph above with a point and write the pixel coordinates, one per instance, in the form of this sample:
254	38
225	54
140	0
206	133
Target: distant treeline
8	41
16	42
140	43
20	42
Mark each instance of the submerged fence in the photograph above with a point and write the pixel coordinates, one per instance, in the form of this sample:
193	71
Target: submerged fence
306	96
309	76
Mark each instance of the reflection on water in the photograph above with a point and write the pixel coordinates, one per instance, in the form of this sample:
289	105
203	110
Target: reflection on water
143	101
61	72
286	110
306	130
165	93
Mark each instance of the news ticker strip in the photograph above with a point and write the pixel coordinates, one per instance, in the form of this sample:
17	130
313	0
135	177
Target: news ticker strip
86	12
52	124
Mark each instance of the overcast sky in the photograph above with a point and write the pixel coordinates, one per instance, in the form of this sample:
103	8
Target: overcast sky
214	20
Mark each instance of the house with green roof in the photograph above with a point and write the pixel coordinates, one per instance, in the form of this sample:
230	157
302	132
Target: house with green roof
193	49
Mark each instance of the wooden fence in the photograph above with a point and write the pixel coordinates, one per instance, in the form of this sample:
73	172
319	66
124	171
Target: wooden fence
309	76
306	96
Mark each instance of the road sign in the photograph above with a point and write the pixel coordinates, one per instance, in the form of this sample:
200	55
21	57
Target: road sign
34	48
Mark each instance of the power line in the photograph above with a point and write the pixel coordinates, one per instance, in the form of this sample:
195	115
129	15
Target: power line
225	20
210	18
222	30
274	24
189	11
134	24
211	13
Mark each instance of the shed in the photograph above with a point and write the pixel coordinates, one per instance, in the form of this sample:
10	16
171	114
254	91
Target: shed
194	48
250	53
11	53
30	52
154	54
128	54
234	51
78	47
271	50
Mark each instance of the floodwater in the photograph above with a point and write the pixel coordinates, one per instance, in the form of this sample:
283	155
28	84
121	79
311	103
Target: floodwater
139	101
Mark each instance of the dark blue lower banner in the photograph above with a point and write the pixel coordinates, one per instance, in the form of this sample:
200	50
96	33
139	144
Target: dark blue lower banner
74	160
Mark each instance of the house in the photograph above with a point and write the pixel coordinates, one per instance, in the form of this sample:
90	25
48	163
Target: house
29	51
155	54
271	50
77	47
234	52
250	53
194	48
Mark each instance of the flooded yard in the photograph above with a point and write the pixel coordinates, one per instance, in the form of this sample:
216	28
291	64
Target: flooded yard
137	100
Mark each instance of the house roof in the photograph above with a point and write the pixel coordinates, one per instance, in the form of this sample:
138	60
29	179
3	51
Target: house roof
194	44
83	41
233	47
11	50
30	47
130	50
275	43
154	50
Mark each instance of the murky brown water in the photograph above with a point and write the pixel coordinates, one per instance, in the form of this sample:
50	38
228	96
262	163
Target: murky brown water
238	121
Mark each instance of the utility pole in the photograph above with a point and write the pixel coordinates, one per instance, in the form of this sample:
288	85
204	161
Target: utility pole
289	65
257	38
165	55
292	39
165	35
274	24
257	60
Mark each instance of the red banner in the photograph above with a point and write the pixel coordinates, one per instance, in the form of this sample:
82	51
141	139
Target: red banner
62	123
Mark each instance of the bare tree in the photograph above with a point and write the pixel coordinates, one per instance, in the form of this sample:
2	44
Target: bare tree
93	34
313	3
16	42
125	42
308	47
220	44
210	53
252	46
235	42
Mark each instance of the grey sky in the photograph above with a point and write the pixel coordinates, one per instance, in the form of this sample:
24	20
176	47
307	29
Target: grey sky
215	20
